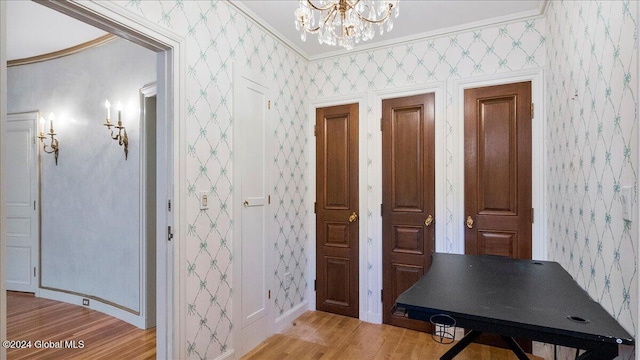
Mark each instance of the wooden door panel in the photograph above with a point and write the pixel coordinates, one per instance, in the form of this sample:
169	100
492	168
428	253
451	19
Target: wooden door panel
406	160
337	284
337	234
497	155
496	243
405	276
408	196
497	169
336	162
408	240
337	242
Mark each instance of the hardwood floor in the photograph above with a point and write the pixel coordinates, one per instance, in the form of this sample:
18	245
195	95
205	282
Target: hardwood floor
319	335
52	323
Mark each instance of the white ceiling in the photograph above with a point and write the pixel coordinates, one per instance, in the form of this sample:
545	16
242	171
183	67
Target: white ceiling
33	29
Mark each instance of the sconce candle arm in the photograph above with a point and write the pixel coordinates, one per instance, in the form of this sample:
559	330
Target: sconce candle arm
54	145
121	137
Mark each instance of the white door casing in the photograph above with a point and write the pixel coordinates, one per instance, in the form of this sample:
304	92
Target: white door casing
253	247
23	203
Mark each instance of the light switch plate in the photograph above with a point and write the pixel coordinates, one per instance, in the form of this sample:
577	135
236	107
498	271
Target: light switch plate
204	200
626	198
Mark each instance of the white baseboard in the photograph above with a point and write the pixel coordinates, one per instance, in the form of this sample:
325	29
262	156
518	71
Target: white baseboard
287	318
135	320
228	355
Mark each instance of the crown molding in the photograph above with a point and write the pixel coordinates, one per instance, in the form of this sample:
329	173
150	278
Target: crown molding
496	21
476	25
64	52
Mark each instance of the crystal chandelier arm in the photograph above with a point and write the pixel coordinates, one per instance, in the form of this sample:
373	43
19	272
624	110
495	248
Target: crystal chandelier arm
381	20
319	8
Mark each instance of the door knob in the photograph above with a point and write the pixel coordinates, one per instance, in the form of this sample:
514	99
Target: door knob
353	217
245	203
469	222
428	221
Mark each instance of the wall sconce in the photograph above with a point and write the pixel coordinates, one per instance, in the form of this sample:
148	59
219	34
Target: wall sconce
54	142
122	132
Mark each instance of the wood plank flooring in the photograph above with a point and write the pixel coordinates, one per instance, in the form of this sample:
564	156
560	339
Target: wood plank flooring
320	335
104	337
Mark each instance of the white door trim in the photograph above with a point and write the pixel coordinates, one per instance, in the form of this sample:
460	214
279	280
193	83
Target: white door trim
539	166
3	136
171	158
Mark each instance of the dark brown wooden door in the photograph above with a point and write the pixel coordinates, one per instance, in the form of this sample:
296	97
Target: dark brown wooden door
408	198
497	170
337	210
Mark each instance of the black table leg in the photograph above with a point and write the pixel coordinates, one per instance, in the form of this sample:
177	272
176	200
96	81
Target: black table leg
513	345
463	343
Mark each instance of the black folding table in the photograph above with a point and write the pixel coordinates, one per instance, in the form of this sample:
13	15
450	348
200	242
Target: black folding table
536	300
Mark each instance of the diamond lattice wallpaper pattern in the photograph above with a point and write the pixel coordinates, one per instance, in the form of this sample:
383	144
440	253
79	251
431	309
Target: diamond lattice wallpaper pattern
587	48
218	38
592	125
491	50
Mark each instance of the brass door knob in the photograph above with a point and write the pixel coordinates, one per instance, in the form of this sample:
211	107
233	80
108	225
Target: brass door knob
469	222
353	217
428	221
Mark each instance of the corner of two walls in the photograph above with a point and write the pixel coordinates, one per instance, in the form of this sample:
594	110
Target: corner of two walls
592	144
90	201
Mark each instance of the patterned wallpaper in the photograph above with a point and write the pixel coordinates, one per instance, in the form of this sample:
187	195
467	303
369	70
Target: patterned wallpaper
491	50
592	132
218	38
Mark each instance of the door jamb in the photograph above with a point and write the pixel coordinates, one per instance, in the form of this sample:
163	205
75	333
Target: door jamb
361	99
171	136
538	151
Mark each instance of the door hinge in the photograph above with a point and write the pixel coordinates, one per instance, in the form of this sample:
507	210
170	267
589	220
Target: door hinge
269	105
315	207
34	204
532	216
381	211
381	295
269	199
380	124
169	234
315	130
169	205
269	294
532	111
34	271
315	285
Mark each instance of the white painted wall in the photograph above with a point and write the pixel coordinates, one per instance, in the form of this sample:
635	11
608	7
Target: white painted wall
91	200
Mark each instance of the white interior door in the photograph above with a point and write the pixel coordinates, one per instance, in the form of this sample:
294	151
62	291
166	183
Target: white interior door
255	250
22	203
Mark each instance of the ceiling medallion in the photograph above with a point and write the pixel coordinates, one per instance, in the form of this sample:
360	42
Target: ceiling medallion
344	22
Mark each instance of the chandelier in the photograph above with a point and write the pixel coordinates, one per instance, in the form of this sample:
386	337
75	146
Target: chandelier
344	22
